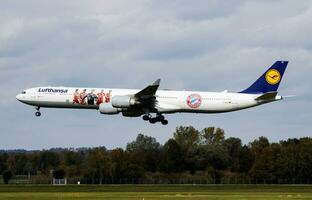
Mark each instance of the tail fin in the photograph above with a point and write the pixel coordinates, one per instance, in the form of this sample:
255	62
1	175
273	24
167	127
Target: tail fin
270	80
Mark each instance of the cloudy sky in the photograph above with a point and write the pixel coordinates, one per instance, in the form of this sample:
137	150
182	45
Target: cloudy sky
208	45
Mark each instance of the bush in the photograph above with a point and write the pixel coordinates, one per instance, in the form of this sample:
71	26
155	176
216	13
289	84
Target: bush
7	176
59	174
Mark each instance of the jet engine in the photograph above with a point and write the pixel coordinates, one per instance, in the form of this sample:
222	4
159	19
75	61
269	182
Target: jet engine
123	101
107	108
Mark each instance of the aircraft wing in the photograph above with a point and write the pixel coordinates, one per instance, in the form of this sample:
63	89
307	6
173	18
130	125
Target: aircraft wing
148	92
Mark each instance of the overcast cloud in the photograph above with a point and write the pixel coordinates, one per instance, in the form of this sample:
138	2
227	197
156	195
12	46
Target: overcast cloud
195	45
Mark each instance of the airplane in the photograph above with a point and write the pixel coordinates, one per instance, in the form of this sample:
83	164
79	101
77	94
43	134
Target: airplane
151	100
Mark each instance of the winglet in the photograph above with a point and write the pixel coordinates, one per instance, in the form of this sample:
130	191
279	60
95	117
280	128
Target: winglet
148	91
157	82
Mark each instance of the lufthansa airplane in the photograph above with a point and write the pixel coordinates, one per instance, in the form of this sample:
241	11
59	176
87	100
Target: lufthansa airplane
150	100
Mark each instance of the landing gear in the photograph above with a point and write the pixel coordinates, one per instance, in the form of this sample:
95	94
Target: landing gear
164	122
38	113
146	117
153	120
160	117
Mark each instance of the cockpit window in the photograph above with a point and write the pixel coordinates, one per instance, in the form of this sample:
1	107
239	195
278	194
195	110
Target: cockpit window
24	92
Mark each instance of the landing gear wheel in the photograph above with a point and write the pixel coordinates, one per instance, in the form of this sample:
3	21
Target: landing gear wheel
161	118
153	120
146	117
38	111
164	122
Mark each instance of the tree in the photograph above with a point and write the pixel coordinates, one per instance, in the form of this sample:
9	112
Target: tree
190	155
3	162
305	159
188	138
246	159
213	156
121	160
48	160
17	163
234	149
212	153
145	151
7	176
213	136
294	160
257	146
73	161
72	158
98	165
263	166
59	174
172	157
134	173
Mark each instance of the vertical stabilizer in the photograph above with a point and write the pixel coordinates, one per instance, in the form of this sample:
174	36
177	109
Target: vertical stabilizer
269	81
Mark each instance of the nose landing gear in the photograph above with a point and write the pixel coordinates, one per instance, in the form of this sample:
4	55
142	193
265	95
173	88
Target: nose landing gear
38	113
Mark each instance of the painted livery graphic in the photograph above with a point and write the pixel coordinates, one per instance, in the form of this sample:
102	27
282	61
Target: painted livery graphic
194	100
51	90
84	98
100	97
273	77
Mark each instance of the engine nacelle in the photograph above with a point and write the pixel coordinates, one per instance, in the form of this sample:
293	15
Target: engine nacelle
123	101
108	109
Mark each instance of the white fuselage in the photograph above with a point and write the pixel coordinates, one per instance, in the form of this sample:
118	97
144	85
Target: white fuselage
168	101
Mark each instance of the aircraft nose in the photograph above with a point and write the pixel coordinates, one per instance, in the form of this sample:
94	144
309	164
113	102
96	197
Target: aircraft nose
18	97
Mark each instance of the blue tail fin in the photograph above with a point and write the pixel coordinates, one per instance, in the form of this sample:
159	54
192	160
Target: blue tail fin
270	80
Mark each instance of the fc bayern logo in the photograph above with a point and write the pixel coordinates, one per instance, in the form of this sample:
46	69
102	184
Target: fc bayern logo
194	100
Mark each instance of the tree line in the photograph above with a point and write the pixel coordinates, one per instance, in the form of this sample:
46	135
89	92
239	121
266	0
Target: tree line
190	156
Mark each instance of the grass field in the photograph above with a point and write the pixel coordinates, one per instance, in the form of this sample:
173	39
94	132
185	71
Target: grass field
147	192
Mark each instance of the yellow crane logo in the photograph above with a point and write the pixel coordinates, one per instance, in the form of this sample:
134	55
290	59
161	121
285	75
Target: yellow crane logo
273	77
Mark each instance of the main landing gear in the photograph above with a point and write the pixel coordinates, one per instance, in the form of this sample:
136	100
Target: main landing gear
153	120
38	113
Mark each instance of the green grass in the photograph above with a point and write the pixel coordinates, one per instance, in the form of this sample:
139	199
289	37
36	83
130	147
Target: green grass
147	192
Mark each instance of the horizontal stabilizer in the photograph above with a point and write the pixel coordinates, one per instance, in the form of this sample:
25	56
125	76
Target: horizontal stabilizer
269	96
